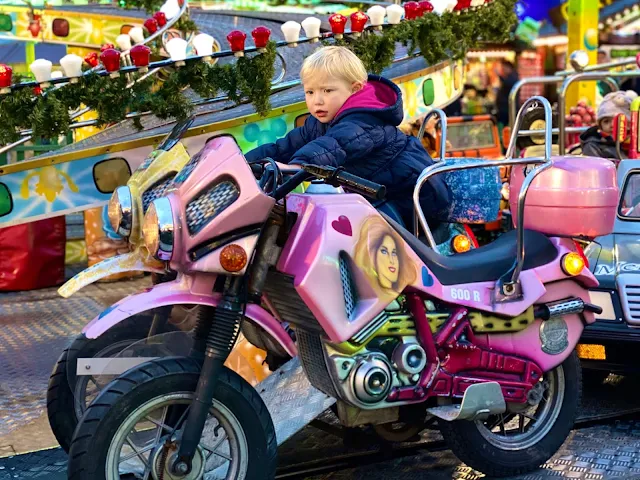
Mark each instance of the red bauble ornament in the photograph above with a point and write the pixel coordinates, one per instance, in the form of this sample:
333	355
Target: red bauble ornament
358	21
236	40
91	59
337	22
140	55
107	46
462	5
151	24
37	91
425	7
34	28
261	36
110	58
638	60
161	18
411	10
6	73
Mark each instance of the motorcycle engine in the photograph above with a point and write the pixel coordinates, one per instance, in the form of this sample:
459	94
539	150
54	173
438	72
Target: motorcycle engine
365	380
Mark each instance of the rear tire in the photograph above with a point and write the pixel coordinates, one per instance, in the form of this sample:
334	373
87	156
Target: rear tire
63	409
472	447
159	380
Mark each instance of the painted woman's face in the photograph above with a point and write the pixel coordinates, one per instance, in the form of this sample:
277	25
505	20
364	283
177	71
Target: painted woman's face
387	262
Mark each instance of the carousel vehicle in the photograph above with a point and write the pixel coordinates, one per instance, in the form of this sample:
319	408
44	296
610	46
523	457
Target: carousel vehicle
69	393
483	340
610	344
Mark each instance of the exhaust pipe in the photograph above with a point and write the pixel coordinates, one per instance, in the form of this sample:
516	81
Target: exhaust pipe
567	306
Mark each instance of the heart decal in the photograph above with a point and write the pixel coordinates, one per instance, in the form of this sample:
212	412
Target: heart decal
342	225
427	279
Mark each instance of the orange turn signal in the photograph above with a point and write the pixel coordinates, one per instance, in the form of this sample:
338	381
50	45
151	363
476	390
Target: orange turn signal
233	258
572	263
461	243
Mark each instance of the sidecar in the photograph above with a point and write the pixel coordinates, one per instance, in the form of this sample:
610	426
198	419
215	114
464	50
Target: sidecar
611	343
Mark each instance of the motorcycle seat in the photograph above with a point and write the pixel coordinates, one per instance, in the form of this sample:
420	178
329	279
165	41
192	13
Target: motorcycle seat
484	264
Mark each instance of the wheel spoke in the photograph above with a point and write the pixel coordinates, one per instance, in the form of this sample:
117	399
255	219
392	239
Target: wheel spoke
521	423
160	423
502	429
164	416
137	453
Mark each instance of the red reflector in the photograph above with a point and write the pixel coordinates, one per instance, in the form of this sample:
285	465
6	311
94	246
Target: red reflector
580	251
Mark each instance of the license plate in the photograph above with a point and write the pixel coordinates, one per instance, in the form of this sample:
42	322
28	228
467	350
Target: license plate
591	351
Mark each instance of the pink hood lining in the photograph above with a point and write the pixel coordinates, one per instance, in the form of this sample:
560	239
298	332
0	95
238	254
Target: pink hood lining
374	95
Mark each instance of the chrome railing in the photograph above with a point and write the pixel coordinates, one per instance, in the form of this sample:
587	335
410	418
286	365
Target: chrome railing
509	288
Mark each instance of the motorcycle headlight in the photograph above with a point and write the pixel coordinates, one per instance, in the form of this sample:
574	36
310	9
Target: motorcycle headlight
120	211
158	229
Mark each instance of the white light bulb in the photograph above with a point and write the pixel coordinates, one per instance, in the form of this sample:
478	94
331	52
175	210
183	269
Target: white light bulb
137	35
171	9
311	27
394	14
203	44
72	66
41	69
124	42
177	48
291	31
442	6
376	15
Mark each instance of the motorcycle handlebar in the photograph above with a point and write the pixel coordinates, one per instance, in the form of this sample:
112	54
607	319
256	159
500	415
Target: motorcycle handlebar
332	176
338	177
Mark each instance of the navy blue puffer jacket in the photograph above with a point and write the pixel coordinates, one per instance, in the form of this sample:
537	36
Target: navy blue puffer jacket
364	139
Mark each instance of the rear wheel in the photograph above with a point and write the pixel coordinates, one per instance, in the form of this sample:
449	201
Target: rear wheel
521	439
134	427
68	395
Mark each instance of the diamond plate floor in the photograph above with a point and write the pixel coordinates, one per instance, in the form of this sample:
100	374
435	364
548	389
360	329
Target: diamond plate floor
35	327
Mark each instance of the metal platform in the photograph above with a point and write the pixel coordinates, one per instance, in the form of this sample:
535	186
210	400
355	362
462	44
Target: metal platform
36	326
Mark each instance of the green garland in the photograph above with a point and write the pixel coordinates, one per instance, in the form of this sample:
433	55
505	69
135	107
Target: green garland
438	37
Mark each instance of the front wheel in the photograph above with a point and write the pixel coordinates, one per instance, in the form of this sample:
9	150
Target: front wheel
526	436
134	427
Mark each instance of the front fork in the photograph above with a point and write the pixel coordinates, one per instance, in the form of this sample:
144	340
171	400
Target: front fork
221	335
219	343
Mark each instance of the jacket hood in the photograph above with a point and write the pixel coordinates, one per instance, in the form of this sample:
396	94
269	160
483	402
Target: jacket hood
380	97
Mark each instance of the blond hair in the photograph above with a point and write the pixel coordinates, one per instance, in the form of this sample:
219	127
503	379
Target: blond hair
334	62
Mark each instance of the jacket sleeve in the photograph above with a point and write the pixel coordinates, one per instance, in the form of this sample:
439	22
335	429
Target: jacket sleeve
283	149
342	141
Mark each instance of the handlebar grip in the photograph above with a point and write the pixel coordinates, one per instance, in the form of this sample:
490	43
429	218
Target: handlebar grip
366	187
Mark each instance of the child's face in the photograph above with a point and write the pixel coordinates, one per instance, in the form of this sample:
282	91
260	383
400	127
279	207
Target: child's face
325	96
606	125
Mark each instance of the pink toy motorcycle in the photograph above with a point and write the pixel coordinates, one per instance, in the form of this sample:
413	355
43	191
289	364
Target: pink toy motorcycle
483	340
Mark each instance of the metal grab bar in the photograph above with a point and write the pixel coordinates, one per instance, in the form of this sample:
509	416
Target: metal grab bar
508	289
443	129
597	68
578	78
515	90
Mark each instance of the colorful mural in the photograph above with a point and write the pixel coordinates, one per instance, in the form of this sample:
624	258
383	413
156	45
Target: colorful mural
74	28
59	189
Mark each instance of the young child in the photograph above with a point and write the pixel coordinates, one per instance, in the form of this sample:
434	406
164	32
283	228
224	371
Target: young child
353	124
598	141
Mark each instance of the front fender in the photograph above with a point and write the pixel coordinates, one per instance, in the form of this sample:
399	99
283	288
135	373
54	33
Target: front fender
129	262
177	292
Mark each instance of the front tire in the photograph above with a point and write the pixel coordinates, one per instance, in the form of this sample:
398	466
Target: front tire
496	454
98	443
